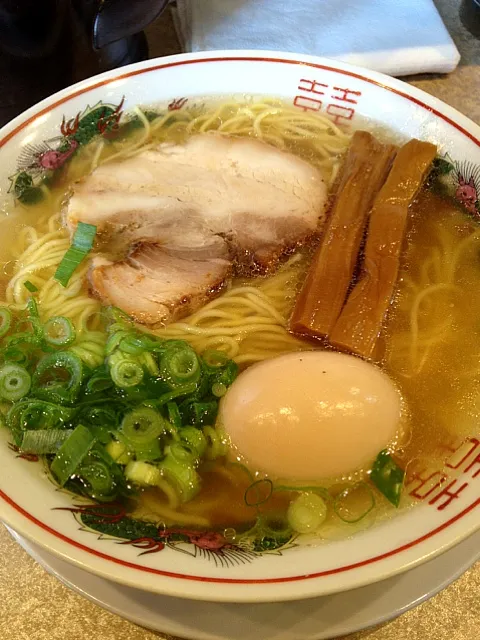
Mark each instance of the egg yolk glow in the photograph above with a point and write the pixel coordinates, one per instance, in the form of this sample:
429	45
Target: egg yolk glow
311	415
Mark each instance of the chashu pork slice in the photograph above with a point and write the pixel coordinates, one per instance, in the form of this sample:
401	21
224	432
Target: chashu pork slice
155	286
264	201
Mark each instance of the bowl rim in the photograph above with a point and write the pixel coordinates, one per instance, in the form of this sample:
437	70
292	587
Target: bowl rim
401	88
19	518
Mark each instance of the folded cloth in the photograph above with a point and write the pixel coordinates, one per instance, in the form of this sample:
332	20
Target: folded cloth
397	37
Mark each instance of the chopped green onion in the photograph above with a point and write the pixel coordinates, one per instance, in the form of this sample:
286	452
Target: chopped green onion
140	430
58	377
119	452
126	373
29	286
205	413
101	420
217	444
137	343
174	415
178	392
258	492
274	528
34	318
59	332
99	416
180	475
388	477
149	362
268	533
95	421
227	374
5	320
16	355
102	433
148	452
219	389
307	513
183	455
37	414
114	341
99	381
23	338
117	315
354	503
195	441
162	346
204	389
214	360
142	473
15	382
99	479
200	413
44	441
140	426
71	453
180	365
32	308
80	247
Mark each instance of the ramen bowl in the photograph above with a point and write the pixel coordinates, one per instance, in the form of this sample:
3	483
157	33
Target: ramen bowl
205	565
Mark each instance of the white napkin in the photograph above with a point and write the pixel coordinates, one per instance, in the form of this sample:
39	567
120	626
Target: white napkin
397	37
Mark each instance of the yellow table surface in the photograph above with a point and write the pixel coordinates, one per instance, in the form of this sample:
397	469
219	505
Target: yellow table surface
35	606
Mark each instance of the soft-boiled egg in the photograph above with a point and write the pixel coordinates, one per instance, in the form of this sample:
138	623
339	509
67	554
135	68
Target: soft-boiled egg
311	415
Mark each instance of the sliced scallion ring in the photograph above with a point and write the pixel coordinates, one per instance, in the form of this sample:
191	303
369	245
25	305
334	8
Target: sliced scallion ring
214	360
126	373
258	492
15	382
182	454
219	389
179	366
58	377
354	503
307	513
182	476
59	331
97	475
141	426
194	440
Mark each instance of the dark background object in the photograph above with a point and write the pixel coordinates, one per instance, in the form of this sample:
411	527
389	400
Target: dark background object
46	45
31	29
114	28
470	16
35	52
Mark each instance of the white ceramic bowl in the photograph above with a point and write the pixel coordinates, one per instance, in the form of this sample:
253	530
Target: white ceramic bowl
209	570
